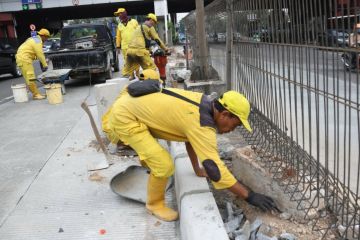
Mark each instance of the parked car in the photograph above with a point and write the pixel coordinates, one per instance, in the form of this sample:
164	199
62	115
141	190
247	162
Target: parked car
7	60
86	49
334	38
51	44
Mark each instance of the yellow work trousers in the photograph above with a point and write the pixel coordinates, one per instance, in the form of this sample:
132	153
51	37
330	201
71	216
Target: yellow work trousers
123	51
27	70
133	62
137	135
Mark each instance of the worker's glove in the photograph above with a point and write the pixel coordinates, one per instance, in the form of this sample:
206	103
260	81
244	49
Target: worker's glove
167	51
261	201
44	69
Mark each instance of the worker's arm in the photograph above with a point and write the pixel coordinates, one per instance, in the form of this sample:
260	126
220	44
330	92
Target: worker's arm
118	37
203	141
40	54
200	172
153	34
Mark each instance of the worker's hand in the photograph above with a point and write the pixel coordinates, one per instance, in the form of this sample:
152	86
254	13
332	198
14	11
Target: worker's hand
44	69
167	51
118	50
200	172
261	201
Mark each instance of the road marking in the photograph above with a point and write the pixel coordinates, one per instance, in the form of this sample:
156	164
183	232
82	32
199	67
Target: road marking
7	99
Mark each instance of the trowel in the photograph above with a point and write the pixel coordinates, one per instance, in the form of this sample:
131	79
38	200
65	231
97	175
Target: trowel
105	160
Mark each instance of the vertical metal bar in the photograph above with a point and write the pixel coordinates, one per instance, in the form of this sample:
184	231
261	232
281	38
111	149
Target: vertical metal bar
229	42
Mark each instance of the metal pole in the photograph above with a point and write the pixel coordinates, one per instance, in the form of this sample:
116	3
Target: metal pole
201	40
229	42
186	49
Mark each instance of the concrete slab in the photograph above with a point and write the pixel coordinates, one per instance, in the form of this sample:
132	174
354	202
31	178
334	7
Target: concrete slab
186	182
200	218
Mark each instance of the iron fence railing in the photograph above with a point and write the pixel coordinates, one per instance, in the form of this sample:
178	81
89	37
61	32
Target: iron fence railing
298	64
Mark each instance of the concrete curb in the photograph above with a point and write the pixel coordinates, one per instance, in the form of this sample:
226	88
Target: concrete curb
199	215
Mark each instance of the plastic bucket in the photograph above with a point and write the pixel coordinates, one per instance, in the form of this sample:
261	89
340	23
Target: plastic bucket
53	93
20	93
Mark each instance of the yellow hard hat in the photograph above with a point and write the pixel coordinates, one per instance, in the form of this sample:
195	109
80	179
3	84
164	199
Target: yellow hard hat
152	16
238	105
120	10
149	74
44	32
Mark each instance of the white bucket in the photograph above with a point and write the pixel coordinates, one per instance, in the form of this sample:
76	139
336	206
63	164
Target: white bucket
53	93
20	93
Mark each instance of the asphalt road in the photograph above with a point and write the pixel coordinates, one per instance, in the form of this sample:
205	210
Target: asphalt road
6	80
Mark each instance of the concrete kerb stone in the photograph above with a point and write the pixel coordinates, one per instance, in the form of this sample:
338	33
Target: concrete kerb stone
199	215
106	93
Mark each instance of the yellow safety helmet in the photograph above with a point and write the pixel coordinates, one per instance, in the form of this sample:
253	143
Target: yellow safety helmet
152	17
238	105
149	74
44	32
120	10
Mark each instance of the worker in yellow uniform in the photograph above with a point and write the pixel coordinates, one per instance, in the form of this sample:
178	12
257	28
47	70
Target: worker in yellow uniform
195	120
124	32
138	51
145	75
30	50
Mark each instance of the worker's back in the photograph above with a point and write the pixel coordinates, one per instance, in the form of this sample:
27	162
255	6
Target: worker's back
28	51
167	117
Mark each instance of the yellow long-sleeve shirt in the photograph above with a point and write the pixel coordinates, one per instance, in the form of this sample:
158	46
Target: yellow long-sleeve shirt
138	41
124	33
186	122
30	50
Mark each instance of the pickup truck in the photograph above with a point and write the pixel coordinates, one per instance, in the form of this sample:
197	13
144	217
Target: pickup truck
86	49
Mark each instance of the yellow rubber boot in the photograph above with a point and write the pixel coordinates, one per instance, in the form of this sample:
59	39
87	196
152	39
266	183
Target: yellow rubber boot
155	203
35	92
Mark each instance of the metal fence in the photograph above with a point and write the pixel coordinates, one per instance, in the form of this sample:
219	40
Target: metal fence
297	63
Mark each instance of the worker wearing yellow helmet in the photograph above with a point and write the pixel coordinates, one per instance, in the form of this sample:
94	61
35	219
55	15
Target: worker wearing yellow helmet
138	51
195	120
30	50
125	29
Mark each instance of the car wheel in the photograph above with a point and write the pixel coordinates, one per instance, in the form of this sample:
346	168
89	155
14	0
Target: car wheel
16	71
116	65
108	72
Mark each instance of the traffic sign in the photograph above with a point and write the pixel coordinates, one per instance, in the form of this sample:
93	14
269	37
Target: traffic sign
75	2
32	27
31	1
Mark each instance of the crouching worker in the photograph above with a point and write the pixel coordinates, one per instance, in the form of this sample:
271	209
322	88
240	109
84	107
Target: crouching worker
191	117
30	50
111	136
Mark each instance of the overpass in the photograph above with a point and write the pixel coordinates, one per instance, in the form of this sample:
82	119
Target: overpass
51	13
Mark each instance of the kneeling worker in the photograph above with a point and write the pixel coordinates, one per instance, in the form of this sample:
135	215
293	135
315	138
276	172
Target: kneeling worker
30	50
195	120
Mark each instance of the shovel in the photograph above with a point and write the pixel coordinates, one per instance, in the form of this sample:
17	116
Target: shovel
106	161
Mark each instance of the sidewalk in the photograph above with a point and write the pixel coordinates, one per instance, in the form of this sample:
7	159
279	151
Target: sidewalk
45	190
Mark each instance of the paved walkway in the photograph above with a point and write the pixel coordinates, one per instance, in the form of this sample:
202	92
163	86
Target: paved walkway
46	190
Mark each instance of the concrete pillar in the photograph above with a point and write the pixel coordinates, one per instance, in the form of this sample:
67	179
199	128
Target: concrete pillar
201	40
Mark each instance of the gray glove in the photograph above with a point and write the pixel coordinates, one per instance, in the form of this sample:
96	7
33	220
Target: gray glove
261	201
44	69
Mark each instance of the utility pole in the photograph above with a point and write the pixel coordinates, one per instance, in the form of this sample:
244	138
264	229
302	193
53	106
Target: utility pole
201	41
